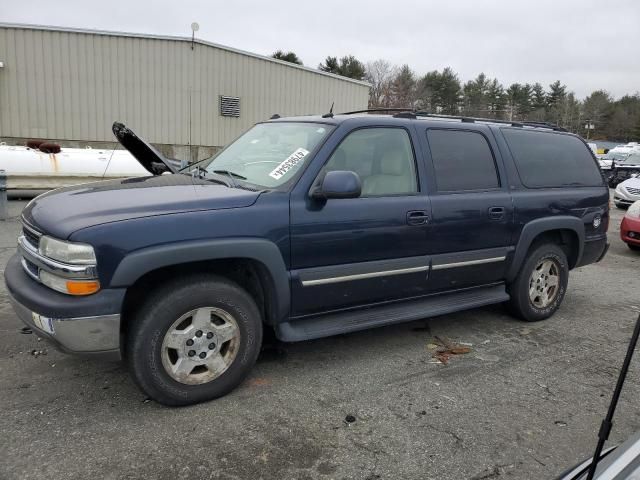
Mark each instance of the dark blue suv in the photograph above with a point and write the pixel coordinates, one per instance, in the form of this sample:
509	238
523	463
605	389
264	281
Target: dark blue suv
311	226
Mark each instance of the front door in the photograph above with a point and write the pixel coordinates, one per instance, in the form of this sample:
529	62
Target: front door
350	252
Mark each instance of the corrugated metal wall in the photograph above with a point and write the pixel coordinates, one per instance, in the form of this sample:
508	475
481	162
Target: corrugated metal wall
74	85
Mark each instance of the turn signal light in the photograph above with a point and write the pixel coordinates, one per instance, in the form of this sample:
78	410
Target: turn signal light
75	287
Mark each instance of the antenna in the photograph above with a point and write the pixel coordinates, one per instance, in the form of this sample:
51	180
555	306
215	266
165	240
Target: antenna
330	114
194	28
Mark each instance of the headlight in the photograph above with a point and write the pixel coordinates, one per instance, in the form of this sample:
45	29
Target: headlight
68	286
67	252
634	209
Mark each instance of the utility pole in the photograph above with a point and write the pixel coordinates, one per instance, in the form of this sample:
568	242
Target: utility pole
589	126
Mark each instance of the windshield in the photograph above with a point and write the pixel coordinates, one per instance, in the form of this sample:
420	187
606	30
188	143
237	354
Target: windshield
269	154
615	156
633	159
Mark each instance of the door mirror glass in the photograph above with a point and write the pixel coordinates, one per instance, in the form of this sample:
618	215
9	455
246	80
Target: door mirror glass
338	184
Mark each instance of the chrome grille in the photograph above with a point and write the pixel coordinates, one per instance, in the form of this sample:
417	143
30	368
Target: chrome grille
31	269
31	237
633	191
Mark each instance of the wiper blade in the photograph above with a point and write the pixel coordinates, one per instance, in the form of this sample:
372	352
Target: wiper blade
231	174
607	423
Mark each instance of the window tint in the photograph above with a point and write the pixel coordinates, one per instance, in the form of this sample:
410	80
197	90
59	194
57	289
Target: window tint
547	159
462	161
382	158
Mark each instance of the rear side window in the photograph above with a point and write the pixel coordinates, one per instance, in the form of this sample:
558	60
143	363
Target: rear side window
545	159
462	161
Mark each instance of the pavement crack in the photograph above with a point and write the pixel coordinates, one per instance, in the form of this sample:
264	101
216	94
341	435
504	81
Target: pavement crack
458	440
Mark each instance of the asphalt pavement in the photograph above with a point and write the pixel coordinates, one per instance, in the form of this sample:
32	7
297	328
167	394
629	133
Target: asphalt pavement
526	402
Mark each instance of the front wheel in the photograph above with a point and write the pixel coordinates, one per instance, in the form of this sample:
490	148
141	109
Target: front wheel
194	340
633	247
540	286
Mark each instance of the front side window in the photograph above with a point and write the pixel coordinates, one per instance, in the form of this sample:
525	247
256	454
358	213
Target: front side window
462	160
269	154
382	158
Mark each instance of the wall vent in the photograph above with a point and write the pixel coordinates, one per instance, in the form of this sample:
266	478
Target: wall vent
229	106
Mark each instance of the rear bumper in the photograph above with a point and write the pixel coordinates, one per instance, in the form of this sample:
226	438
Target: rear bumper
594	251
82	325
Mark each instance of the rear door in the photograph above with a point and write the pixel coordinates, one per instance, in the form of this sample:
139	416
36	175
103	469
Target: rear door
472	211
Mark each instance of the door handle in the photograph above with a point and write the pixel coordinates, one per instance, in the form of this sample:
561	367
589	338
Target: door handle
496	213
417	217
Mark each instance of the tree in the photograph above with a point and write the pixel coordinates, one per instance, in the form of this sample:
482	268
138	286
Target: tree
622	124
403	88
380	75
287	57
555	98
440	92
347	66
597	108
475	96
496	100
519	101
538	103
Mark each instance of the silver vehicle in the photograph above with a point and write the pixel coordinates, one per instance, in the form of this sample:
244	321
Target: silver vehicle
627	192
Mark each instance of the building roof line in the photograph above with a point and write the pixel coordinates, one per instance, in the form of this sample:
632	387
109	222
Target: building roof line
54	28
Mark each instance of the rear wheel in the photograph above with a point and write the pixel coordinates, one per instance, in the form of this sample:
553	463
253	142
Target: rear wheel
540	286
194	340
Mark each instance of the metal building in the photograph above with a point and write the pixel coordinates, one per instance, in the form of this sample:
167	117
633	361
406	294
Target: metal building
70	85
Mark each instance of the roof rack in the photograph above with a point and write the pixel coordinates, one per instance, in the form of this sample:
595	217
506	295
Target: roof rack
368	110
412	113
525	123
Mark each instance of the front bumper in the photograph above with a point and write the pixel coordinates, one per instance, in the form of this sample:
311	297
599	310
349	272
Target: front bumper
82	325
630	230
623	198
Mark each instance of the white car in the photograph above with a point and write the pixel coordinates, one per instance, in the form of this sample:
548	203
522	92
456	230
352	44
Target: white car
627	192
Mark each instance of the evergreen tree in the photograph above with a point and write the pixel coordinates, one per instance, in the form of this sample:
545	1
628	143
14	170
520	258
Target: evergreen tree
347	66
403	88
556	96
496	99
596	109
538	103
287	57
475	96
440	92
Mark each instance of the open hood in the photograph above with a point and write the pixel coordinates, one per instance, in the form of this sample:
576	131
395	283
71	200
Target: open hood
151	159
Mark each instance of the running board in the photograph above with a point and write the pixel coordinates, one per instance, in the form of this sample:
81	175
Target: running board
389	314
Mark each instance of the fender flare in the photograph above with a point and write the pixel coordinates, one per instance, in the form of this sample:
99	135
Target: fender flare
534	228
140	262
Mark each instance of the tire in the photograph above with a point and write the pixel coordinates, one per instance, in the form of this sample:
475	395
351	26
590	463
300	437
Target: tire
620	206
635	248
194	340
547	299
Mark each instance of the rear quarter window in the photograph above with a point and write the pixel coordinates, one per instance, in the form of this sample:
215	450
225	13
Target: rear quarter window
546	159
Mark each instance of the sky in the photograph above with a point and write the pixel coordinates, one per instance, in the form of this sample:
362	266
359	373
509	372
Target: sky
586	44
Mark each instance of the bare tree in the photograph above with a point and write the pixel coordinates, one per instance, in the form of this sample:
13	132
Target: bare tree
380	75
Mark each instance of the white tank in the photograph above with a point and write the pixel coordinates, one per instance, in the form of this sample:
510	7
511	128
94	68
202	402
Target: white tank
31	169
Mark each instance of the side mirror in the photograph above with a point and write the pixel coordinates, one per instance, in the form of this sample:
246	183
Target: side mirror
338	184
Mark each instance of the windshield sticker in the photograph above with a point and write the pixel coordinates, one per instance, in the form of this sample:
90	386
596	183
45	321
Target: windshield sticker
282	169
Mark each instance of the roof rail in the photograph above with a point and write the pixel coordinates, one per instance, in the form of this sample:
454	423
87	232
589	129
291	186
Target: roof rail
368	110
524	123
409	112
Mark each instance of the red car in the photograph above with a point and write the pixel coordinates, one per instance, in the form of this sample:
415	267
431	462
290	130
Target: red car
630	227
